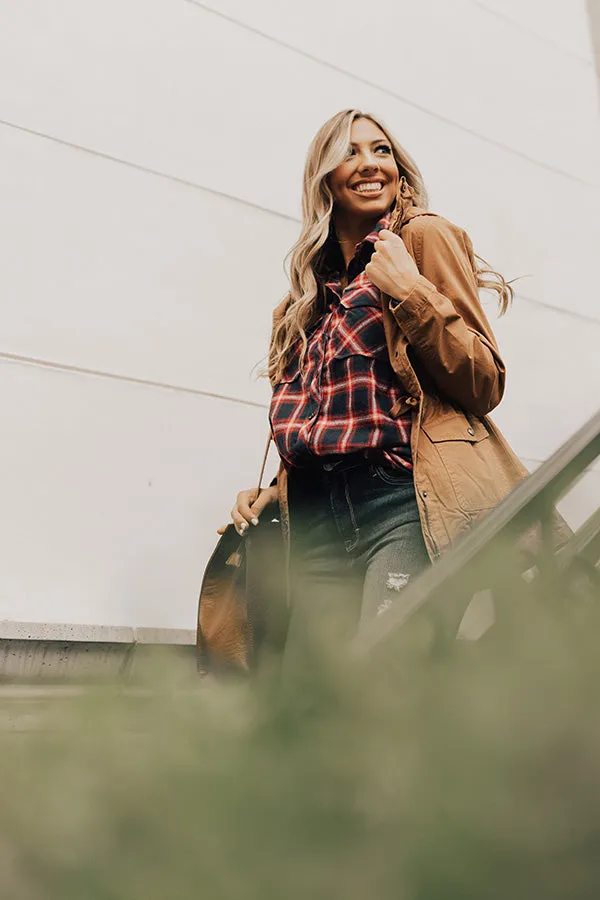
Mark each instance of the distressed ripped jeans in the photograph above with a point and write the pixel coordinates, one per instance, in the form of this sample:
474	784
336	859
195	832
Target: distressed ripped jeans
356	542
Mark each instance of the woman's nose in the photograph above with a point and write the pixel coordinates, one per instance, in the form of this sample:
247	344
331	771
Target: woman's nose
369	161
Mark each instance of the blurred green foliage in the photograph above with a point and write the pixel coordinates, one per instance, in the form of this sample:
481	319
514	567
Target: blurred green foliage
472	774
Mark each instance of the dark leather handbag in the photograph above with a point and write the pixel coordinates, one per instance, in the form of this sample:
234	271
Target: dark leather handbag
242	609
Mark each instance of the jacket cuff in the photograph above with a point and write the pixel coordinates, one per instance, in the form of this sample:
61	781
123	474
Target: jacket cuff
417	298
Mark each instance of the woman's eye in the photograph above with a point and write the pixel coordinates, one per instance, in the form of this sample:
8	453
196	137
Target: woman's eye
383	147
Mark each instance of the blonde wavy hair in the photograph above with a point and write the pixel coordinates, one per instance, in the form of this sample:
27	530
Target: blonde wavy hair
304	305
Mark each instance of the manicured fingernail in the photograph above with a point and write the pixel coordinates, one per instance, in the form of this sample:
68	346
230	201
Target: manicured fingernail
254	521
243	527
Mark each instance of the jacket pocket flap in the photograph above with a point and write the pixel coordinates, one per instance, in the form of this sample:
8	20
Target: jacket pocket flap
456	428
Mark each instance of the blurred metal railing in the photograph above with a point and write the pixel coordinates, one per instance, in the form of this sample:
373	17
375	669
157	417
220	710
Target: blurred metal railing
491	556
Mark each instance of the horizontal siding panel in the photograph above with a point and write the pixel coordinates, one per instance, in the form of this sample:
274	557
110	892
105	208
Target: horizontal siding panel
455	60
112	494
564	23
107	268
225	131
136	78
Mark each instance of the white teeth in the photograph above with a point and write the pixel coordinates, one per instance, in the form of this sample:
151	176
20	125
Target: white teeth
372	186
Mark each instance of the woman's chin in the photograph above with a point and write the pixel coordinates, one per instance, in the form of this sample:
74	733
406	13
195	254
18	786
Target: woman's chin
371	206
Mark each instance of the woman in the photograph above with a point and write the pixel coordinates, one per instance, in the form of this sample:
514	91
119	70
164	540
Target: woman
384	368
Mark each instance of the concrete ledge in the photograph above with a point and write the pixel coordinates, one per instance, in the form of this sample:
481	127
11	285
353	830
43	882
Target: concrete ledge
34	651
113	634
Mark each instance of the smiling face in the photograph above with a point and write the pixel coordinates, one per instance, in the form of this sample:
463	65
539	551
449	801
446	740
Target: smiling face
364	185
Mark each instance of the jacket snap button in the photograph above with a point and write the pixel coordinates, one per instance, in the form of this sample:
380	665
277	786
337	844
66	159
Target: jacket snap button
470	431
423	493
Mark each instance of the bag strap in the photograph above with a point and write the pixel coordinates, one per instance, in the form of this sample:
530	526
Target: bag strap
264	463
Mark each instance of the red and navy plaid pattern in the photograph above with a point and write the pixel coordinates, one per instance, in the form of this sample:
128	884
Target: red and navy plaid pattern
341	400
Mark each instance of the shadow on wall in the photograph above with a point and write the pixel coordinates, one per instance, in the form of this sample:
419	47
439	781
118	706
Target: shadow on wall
594	14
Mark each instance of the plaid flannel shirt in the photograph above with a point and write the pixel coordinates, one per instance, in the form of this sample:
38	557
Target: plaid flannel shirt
340	401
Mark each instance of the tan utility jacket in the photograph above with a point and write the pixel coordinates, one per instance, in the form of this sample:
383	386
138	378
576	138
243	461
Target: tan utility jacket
443	350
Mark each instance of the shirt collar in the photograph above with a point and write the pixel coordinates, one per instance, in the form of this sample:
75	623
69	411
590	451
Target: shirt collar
384	222
333	251
334	280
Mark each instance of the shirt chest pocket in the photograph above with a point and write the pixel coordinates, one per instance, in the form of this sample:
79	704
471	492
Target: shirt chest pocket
359	333
461	447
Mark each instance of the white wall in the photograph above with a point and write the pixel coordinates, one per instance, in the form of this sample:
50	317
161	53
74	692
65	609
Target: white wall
151	154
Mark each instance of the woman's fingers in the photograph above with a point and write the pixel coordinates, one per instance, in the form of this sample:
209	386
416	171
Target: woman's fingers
241	524
245	499
248	508
268	495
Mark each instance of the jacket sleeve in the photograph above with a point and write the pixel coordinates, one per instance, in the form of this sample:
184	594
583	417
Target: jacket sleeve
443	320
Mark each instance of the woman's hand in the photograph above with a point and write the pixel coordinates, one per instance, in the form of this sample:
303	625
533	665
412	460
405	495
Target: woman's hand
248	508
391	267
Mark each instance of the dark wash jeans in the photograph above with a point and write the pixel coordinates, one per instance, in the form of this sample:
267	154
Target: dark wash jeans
356	542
